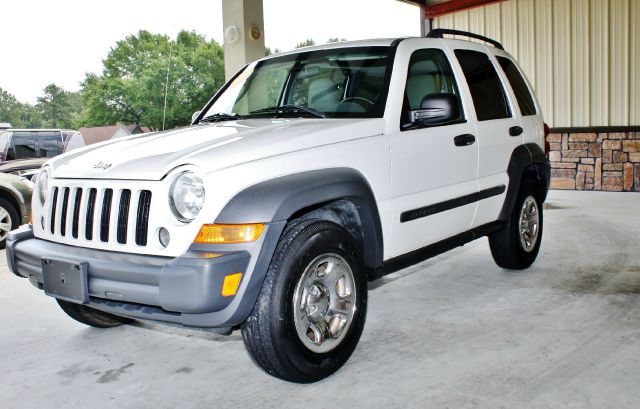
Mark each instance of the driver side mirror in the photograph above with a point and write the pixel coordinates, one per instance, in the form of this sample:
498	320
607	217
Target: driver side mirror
436	109
195	116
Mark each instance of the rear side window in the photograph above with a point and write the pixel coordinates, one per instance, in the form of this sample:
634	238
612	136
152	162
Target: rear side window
34	144
49	145
23	145
486	89
519	86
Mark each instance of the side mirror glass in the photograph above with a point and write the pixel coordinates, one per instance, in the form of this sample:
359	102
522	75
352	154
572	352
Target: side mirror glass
195	116
436	109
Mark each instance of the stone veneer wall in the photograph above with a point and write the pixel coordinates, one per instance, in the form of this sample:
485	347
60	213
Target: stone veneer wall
595	161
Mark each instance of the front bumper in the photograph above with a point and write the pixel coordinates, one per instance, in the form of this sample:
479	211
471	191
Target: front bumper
185	290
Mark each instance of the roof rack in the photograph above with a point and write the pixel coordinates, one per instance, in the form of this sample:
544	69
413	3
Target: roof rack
438	32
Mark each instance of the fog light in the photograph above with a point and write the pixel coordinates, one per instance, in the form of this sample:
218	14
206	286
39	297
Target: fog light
230	284
164	236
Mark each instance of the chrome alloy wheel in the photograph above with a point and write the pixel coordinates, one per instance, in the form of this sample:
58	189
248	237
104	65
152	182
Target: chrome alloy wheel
5	223
324	303
529	224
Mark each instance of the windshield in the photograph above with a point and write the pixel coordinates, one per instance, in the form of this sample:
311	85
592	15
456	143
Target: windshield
336	83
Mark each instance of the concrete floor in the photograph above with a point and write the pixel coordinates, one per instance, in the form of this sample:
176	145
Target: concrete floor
453	332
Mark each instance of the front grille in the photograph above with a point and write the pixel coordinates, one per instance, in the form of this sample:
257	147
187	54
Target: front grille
90	213
123	216
142	224
65	207
88	230
106	215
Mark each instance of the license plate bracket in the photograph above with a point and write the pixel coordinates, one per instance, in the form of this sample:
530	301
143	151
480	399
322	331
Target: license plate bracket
66	279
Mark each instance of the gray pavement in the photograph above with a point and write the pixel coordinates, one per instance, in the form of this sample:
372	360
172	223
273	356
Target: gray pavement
452	332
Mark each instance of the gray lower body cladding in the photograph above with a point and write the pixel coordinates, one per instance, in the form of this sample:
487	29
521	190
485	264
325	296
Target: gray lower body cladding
185	290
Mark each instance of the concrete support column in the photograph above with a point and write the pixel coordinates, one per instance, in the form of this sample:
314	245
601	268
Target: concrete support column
243	24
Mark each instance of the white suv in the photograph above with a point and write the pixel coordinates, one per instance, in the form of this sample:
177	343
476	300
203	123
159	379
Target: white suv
306	175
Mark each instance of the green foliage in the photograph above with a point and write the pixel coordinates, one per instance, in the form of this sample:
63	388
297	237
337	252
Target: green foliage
336	40
268	51
306	43
9	108
131	88
54	107
19	115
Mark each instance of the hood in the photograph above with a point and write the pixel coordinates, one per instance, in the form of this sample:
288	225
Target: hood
209	146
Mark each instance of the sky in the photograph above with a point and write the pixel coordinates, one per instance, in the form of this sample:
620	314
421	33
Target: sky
45	41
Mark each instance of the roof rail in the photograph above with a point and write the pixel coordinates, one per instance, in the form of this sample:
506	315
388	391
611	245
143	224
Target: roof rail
438	32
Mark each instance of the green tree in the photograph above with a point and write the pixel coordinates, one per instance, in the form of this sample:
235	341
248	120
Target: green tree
76	109
9	108
268	51
306	43
54	107
16	113
138	72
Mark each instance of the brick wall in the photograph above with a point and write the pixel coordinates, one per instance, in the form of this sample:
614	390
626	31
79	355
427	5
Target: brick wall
595	161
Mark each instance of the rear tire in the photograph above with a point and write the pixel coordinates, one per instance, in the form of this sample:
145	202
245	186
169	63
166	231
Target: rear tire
311	309
516	246
91	316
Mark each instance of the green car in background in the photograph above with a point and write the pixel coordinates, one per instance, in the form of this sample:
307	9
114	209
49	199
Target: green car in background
15	203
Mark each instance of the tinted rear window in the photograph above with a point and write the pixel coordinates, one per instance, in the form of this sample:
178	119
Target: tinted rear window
49	146
486	89
519	86
34	144
24	145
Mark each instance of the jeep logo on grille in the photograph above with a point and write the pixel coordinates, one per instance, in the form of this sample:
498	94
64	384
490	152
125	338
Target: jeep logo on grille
102	166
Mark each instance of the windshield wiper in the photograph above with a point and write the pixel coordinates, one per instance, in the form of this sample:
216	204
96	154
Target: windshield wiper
220	116
289	109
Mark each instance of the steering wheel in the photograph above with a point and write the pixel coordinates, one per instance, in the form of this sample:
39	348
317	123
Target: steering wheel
357	99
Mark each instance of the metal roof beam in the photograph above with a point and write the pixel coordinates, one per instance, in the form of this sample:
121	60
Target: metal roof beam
451	6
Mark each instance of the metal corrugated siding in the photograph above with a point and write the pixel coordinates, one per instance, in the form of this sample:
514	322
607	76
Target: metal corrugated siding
580	81
599	47
634	63
581	56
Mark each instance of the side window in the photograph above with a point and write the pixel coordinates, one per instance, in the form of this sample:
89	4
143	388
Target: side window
519	86
486	89
429	73
49	145
23	145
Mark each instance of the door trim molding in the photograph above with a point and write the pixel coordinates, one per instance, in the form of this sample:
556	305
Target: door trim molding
430	210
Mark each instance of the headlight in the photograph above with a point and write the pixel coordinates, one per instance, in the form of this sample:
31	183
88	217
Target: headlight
186	196
42	185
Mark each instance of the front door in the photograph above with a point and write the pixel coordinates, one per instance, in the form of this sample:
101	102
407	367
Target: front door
434	168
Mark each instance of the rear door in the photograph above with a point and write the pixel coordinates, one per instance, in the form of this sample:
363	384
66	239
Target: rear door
530	113
499	129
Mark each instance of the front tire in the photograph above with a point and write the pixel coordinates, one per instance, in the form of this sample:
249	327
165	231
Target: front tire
9	220
311	310
91	316
516	246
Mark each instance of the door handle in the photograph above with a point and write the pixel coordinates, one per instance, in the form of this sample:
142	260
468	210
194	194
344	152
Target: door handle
464	140
515	131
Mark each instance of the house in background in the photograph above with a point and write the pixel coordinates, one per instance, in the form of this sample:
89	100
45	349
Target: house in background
97	134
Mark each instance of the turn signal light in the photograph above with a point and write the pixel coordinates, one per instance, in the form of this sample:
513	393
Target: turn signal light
228	233
230	284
